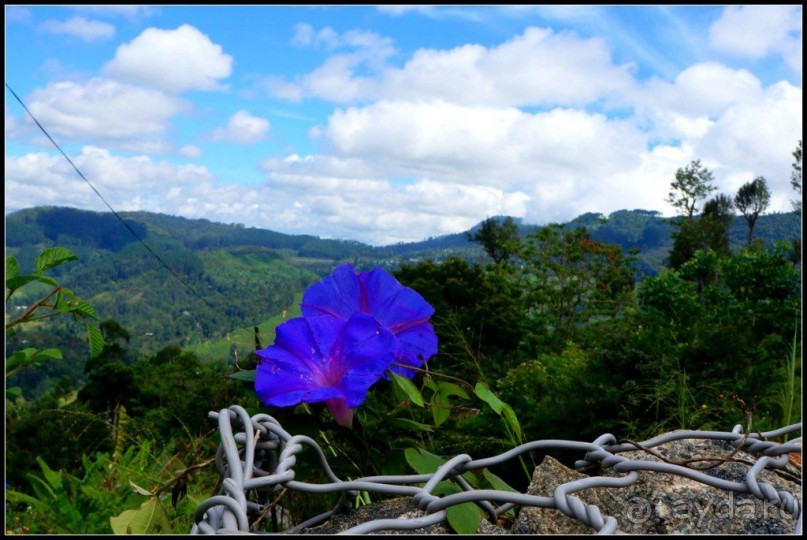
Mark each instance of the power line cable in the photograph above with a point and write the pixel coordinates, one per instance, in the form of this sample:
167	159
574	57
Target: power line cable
128	227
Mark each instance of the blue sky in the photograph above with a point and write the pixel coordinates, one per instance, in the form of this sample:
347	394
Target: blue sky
395	123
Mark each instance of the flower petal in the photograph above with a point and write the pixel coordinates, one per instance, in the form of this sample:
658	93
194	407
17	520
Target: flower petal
418	345
395	306
338	295
323	358
367	351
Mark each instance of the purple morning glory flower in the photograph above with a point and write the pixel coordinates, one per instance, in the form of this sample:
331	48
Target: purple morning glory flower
400	309
322	358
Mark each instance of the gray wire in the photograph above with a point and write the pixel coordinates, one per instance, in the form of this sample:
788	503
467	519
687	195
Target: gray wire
258	453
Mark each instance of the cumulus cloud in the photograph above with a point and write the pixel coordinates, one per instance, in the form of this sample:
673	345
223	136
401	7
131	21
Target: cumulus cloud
757	31
699	95
746	142
136	183
123	115
500	146
538	67
80	27
242	128
171	60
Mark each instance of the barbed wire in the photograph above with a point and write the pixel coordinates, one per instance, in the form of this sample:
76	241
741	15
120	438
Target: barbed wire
257	453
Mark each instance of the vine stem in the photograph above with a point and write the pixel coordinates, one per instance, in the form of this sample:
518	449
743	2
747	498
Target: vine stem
469	385
30	310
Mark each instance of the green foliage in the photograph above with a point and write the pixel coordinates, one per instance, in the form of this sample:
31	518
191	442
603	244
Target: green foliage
751	200
105	496
57	301
795	178
500	238
557	343
692	183
568	279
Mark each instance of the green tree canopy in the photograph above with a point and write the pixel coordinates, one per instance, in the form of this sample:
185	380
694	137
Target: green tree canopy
751	200
499	238
692	183
795	177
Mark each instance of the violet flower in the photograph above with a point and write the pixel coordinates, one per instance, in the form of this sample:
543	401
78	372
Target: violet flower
400	309
322	358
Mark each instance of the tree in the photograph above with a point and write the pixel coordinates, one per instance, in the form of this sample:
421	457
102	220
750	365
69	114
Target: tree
570	279
691	184
499	238
751	200
718	215
795	177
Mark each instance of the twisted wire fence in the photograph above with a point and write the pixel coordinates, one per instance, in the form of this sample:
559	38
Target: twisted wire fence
256	453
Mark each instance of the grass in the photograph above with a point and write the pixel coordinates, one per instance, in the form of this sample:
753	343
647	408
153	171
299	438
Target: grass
243	339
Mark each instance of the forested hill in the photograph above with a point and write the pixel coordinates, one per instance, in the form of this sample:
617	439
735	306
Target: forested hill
249	274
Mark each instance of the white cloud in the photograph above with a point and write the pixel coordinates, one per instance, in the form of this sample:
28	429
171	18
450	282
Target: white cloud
336	79
117	10
538	67
171	60
190	151
136	183
102	110
758	31
499	146
397	10
700	94
80	27
242	128
747	141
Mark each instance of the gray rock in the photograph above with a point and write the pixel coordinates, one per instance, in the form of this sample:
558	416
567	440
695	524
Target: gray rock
661	503
657	503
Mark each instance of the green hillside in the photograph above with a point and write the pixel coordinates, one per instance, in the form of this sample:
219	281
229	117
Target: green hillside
238	277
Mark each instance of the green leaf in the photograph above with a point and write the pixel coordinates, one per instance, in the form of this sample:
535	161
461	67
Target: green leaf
424	462
512	420
483	392
408	387
441	402
464	518
440	410
451	389
53	257
96	339
12	267
244	375
18	281
139	489
405	423
14	392
54	478
19	359
48	280
421	461
47	354
16	496
142	520
85	309
497	483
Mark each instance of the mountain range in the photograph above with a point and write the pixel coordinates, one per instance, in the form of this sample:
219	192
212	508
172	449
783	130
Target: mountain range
221	277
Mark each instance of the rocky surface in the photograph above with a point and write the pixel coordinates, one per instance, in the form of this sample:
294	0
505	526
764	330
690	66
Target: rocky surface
657	503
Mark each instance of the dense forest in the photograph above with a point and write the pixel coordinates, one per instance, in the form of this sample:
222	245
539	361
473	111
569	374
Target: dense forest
630	324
